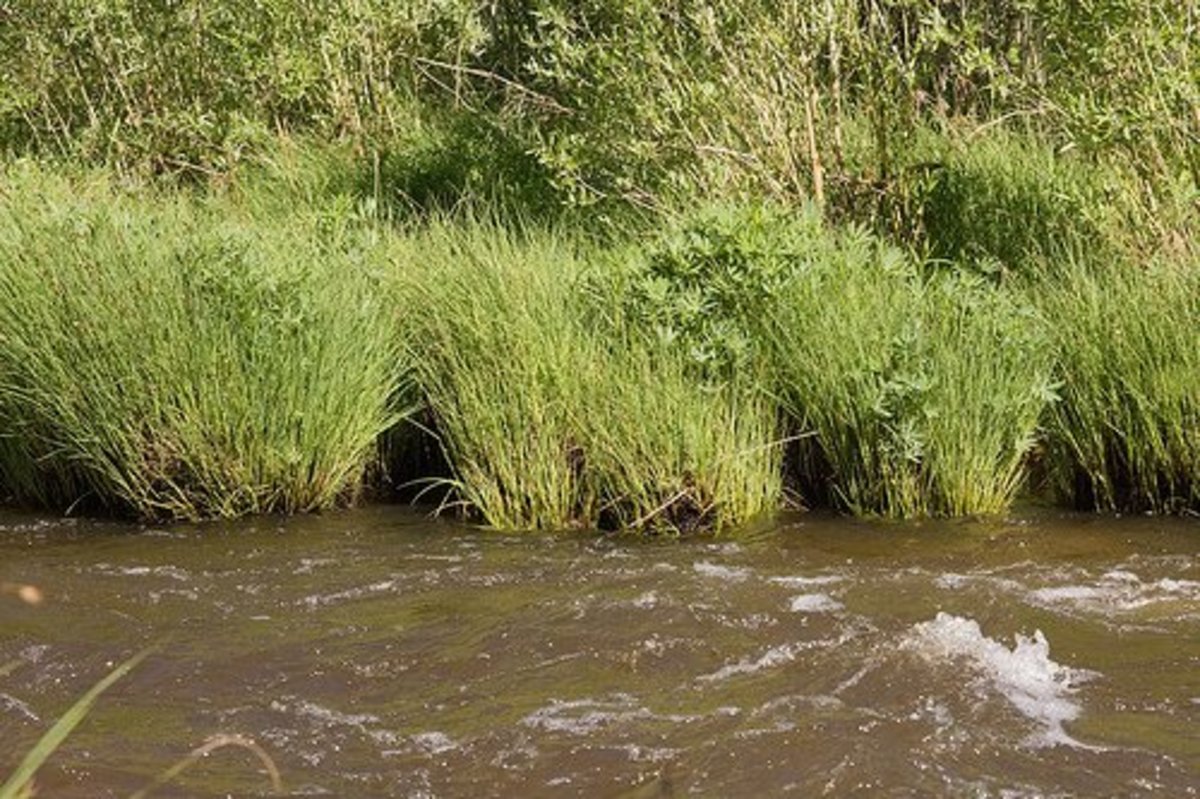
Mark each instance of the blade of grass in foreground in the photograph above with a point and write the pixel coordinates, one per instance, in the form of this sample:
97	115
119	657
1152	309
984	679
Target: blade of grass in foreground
214	743
18	783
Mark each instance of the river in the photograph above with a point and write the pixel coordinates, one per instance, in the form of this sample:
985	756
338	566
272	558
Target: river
377	652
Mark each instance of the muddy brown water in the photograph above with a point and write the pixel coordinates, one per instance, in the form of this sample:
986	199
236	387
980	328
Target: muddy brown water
379	653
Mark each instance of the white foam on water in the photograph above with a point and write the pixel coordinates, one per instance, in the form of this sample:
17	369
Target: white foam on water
328	716
330	719
1025	675
649	754
1118	592
805	582
10	702
306	565
646	601
434	743
110	570
733	574
358	592
952	581
585	716
815	603
775	656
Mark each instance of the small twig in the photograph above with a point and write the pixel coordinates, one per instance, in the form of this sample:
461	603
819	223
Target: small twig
678	495
543	99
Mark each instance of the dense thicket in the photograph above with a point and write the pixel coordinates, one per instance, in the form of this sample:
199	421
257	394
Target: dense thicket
613	97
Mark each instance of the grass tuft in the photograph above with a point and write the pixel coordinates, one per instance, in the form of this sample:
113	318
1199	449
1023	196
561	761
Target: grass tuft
923	397
1127	434
554	413
177	359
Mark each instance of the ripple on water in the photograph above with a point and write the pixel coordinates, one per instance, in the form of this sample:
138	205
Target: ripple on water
733	574
815	603
1120	592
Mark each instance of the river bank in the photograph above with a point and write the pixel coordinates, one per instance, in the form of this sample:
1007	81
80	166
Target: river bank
170	353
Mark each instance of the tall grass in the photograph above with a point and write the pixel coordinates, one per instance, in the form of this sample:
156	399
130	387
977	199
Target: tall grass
551	418
502	365
1126	435
170	354
667	451
174	359
923	396
1000	203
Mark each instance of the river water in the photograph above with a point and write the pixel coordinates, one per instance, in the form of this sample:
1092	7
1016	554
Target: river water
380	653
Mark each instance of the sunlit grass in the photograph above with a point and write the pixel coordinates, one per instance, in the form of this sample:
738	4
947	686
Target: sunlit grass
1127	434
922	396
552	414
173	358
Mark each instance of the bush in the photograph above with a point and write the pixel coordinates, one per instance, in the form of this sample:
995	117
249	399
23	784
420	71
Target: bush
1126	435
194	85
171	359
921	397
703	286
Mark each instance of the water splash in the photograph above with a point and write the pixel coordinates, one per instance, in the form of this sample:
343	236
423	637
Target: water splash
1025	675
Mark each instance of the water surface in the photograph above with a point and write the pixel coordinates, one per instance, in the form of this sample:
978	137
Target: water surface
379	653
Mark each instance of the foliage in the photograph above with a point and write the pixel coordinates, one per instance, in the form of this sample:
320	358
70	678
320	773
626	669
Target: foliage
170	358
1127	434
923	397
615	101
703	286
653	99
498	359
552	418
1000	204
191	85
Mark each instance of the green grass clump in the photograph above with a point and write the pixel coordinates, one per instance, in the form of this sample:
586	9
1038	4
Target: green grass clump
923	397
1126	435
177	359
555	415
669	452
500	361
1000	202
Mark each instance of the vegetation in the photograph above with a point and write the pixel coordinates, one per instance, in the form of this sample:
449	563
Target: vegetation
19	784
626	264
924	394
170	359
1126	435
555	413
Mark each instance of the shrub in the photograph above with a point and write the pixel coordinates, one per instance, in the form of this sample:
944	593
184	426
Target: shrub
703	286
1126	435
172	360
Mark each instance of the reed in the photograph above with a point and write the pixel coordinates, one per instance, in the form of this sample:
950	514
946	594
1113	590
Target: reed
552	414
176	358
922	396
1126	435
